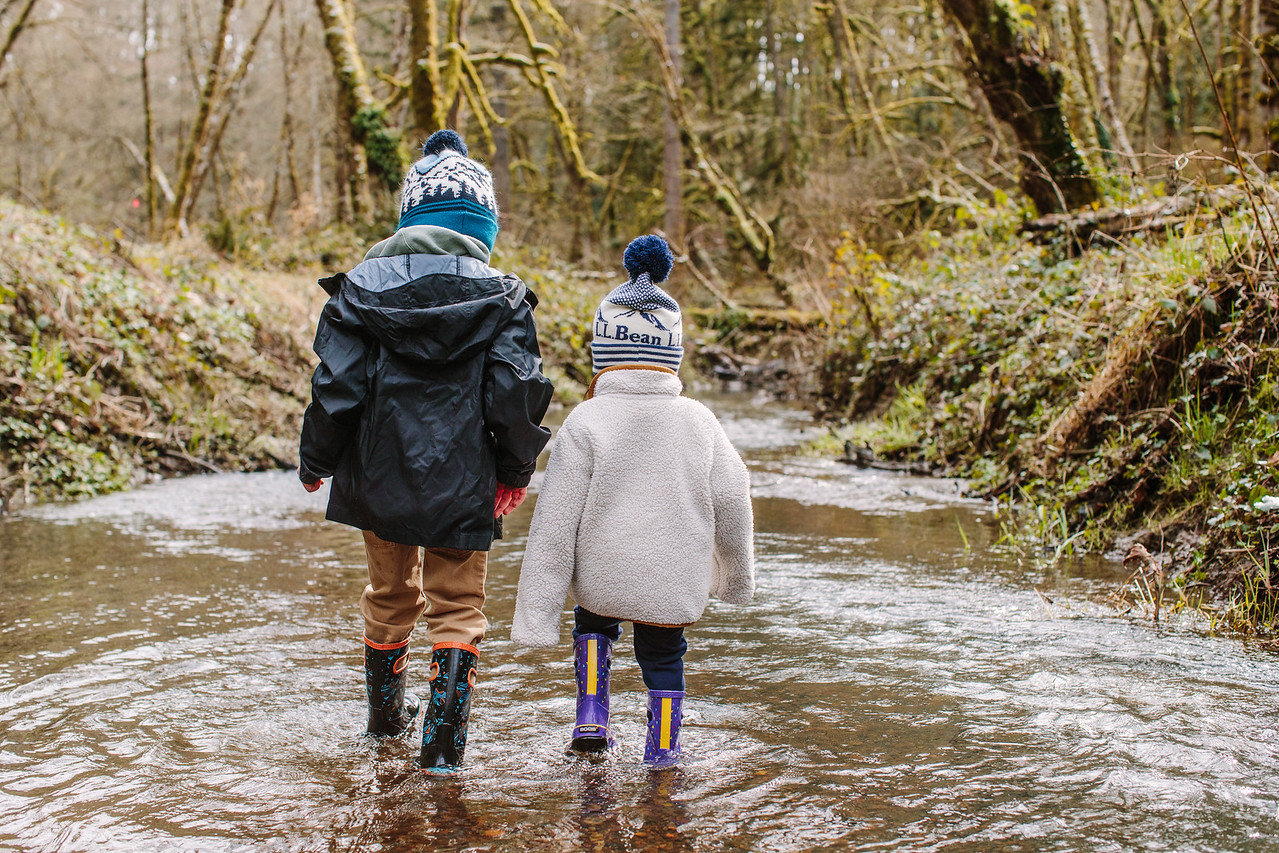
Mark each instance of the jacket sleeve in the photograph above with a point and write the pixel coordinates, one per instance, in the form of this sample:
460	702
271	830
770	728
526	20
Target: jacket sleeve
339	388
516	395
733	572
550	555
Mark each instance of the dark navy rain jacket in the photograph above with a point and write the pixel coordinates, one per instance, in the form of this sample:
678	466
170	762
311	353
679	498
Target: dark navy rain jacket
429	392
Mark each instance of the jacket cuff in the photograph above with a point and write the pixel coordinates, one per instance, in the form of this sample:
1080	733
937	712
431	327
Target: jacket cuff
514	478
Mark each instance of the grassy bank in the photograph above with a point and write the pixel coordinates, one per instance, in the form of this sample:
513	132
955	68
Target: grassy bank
121	362
1124	393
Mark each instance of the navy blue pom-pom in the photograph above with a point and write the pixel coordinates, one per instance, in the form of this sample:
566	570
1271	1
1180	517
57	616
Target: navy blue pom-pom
441	140
648	254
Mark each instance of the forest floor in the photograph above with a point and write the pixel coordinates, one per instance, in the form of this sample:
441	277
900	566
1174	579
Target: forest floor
1111	379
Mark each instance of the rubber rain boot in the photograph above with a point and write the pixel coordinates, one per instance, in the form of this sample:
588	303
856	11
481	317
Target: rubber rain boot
449	708
391	709
592	661
665	712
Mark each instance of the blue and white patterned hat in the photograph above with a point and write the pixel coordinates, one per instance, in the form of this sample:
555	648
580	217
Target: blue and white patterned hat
449	189
639	323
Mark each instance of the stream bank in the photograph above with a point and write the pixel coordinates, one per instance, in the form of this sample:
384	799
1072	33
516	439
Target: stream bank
1114	394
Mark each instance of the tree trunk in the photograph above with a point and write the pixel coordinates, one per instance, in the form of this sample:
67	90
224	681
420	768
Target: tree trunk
1095	72
428	114
1170	112
15	30
1025	92
223	108
672	151
1268	47
197	142
148	124
1245	96
373	152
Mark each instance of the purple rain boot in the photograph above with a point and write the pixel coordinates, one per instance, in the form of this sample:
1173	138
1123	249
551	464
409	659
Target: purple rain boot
665	712
592	660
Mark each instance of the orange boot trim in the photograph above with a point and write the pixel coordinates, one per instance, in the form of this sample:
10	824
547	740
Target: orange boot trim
466	647
385	647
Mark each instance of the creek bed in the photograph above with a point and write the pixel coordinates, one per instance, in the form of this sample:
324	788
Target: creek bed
180	670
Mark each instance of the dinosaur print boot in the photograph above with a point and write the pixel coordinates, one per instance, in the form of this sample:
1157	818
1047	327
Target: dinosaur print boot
592	660
391	709
449	708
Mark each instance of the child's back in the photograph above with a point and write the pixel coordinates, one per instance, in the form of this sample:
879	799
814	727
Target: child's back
643	514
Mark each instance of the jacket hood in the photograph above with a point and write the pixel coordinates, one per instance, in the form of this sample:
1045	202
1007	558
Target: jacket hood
430	308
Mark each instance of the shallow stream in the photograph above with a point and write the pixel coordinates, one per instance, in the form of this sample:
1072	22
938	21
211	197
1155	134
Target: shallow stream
180	670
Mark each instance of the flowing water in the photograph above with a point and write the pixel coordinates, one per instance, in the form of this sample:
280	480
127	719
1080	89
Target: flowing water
180	670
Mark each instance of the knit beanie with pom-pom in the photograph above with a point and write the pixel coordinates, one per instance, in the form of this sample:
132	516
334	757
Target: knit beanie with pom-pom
639	323
449	189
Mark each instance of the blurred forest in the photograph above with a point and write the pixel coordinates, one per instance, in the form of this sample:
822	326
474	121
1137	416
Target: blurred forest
754	134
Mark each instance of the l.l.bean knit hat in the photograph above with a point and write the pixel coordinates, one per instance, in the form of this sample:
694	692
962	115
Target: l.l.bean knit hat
639	323
449	189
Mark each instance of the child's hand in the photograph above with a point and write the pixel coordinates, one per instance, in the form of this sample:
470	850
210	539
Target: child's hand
507	499
312	487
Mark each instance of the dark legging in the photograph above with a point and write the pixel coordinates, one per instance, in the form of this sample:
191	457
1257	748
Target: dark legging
659	651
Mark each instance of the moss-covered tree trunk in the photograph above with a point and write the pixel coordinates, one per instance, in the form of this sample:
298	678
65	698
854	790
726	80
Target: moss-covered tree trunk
374	149
1025	91
428	112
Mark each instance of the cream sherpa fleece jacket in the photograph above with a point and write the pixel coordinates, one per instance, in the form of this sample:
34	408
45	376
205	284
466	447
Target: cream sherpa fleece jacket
643	514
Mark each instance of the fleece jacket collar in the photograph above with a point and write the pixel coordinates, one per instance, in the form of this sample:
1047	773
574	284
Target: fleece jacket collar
636	380
429	240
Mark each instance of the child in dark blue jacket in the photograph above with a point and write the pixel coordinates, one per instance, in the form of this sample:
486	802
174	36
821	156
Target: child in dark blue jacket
426	414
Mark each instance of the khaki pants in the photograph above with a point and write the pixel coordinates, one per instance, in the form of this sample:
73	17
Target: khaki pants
403	579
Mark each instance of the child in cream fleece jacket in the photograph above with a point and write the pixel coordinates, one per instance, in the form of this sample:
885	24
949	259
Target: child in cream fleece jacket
644	513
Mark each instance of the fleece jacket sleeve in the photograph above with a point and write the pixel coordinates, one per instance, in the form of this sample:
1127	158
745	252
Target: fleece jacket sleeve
551	553
733	572
516	395
339	388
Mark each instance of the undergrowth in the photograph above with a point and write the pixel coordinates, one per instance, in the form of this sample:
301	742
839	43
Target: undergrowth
1127	393
118	361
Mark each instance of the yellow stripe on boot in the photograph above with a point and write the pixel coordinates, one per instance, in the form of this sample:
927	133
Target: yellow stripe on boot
592	666
665	738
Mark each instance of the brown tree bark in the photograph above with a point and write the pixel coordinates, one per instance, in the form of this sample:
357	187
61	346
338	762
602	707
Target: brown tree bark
372	147
1268	94
1025	92
196	146
672	151
428	115
147	120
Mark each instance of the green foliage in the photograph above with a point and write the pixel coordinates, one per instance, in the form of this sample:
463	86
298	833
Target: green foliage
977	350
381	145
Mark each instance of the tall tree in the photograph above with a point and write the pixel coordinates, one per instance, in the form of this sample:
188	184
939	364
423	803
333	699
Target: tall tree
1025	91
672	151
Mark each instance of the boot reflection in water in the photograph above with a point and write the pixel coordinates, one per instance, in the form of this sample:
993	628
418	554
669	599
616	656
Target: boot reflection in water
598	820
662	816
449	708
